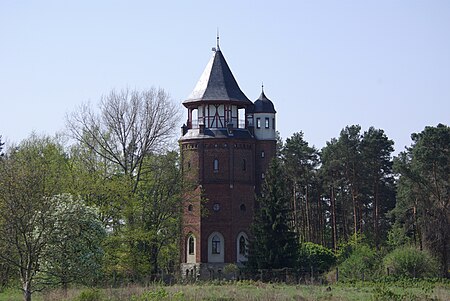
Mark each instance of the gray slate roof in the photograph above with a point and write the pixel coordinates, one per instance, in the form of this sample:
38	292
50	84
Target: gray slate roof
217	83
263	105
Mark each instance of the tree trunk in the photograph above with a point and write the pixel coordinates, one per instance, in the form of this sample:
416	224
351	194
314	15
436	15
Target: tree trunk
333	219
308	222
26	288
376	217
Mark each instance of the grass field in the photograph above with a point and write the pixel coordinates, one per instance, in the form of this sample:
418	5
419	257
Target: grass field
247	291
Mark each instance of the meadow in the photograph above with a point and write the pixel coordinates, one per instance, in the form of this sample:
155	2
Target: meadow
249	291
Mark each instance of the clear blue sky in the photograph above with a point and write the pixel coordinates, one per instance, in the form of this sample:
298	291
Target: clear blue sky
325	64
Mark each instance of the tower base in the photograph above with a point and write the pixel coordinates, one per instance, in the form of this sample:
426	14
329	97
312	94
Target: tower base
209	271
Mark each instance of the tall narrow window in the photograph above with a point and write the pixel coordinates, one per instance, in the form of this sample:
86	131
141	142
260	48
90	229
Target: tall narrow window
191	245
216	165
262	154
242	246
267	122
258	123
215	245
273	123
244	165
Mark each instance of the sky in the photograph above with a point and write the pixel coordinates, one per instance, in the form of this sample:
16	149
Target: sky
324	64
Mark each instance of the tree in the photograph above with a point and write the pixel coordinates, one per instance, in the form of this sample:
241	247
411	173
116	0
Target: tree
73	253
273	244
129	126
156	208
315	258
300	161
31	174
424	190
379	190
358	184
1	146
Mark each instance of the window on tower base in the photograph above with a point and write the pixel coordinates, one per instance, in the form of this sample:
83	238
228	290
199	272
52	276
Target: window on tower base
215	245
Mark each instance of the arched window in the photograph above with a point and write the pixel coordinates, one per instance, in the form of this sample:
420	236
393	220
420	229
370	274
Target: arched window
216	165
190	249
191	246
242	247
216	247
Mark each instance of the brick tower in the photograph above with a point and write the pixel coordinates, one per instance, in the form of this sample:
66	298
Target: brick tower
226	146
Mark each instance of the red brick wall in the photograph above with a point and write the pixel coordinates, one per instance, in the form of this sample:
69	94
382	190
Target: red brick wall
230	187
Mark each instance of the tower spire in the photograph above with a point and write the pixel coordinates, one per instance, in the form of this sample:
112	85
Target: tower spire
218	47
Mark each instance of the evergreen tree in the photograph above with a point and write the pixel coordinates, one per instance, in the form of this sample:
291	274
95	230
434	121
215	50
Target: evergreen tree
300	162
274	245
1	146
424	191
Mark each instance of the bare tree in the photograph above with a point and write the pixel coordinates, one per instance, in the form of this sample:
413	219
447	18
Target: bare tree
129	125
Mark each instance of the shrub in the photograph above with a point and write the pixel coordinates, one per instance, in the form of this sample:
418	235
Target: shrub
410	262
90	295
362	264
320	258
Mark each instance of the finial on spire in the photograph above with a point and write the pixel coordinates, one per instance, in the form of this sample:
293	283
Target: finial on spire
262	87
218	48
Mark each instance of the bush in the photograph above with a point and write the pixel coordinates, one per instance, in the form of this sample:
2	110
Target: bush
410	262
362	264
320	258
90	295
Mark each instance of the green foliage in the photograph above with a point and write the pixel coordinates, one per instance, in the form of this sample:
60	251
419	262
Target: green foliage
424	192
159	294
358	181
91	295
73	252
397	237
32	173
231	269
410	262
362	264
274	245
315	256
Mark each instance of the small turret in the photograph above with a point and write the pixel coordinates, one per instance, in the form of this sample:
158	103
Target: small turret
264	118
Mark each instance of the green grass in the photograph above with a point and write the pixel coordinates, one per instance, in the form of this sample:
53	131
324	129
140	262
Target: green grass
251	291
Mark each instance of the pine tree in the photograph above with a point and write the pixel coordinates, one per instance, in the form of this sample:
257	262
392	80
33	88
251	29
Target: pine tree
1	146
273	245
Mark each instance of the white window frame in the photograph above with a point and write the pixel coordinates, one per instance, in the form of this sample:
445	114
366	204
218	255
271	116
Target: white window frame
191	257
239	256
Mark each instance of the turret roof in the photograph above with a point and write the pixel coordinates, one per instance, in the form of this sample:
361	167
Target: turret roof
263	105
217	83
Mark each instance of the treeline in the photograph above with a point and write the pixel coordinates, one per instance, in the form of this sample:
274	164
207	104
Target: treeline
101	203
102	209
355	205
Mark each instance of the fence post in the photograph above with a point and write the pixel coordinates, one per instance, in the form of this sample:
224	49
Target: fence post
337	274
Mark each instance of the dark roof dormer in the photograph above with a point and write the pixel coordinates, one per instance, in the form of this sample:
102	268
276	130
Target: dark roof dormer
263	105
217	84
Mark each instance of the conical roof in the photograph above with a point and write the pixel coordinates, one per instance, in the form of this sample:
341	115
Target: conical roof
217	84
263	105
